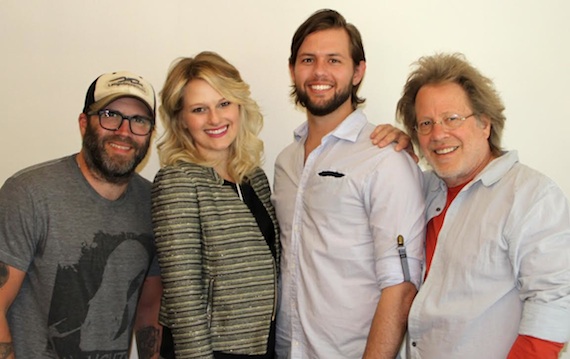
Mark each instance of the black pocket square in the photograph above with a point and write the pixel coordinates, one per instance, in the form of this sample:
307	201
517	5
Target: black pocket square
330	174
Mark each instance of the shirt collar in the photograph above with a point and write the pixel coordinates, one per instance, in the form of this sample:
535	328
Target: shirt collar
492	173
347	130
497	168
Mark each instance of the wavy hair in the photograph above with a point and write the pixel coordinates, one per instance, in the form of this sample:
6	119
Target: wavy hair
176	144
443	68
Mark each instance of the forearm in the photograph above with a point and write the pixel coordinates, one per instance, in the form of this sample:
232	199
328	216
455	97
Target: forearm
390	322
6	348
10	282
148	332
148	341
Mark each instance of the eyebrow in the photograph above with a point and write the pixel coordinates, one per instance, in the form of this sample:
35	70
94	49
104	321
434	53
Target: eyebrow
148	114
441	115
206	104
332	54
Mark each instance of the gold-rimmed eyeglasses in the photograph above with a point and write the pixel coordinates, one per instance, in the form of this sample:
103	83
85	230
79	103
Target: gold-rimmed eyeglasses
448	122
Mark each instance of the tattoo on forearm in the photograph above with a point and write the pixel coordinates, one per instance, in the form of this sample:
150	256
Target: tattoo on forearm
5	349
4	274
147	342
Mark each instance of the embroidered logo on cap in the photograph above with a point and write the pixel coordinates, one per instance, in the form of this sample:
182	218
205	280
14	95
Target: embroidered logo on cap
127	81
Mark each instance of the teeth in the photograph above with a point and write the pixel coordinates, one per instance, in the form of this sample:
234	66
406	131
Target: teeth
445	150
320	87
119	147
218	131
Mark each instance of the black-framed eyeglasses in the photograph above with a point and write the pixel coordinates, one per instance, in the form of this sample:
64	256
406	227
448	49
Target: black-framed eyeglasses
113	120
449	123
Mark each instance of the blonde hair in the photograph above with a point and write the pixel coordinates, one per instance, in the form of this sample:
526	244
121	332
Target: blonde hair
176	144
442	68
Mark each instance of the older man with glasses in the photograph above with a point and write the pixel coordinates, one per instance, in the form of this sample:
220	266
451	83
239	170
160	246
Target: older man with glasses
77	261
497	281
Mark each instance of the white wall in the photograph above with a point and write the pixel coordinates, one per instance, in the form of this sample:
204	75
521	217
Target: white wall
52	50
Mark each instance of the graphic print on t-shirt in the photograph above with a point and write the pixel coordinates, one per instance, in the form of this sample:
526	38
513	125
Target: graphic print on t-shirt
94	298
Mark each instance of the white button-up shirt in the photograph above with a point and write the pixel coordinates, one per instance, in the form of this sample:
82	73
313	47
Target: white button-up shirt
501	266
340	214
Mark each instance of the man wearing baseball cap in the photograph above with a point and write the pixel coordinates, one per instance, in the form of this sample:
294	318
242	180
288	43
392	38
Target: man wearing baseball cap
77	261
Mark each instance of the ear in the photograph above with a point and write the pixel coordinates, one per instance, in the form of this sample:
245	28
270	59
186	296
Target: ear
292	72
83	123
485	123
359	71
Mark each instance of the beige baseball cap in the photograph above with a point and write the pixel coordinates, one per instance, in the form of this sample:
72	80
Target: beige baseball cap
114	85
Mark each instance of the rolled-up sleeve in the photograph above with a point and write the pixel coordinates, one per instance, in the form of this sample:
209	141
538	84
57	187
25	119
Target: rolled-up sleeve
541	256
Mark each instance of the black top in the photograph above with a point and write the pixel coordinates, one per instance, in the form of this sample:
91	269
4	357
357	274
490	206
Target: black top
258	211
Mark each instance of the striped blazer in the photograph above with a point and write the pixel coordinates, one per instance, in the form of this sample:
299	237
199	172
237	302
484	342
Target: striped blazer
218	273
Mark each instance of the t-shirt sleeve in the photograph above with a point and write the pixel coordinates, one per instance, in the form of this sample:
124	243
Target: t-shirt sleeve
21	224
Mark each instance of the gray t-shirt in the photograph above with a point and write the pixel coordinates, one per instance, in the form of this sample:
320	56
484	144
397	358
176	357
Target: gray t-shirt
86	259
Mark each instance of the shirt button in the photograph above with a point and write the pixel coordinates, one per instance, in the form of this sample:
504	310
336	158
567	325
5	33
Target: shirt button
414	344
438	209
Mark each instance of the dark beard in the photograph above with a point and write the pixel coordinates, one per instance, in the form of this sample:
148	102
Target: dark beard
326	108
111	169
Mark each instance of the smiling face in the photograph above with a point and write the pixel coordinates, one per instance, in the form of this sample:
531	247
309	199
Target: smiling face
324	73
211	120
457	155
114	155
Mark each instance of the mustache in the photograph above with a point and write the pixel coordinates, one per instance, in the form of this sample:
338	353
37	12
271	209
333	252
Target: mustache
124	139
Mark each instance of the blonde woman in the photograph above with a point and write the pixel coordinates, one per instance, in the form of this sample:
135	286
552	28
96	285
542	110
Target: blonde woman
215	228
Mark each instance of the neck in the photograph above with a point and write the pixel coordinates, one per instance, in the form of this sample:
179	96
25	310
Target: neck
320	126
332	120
106	189
222	170
462	180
